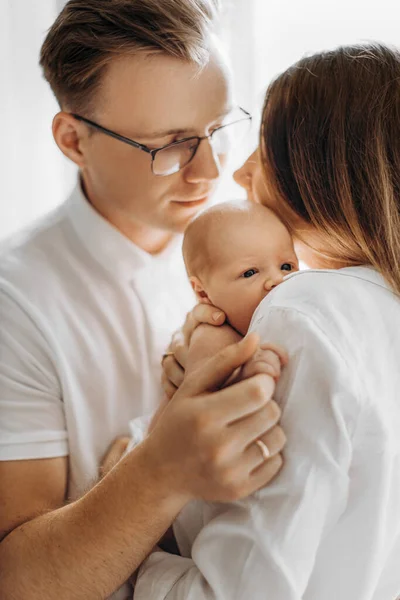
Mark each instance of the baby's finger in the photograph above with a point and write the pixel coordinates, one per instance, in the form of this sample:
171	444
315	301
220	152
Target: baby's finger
258	367
281	352
271	358
202	313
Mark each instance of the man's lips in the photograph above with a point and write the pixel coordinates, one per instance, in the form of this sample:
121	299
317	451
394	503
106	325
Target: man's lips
192	202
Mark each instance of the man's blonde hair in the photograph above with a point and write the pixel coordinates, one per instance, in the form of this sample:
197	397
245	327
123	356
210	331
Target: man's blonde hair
88	34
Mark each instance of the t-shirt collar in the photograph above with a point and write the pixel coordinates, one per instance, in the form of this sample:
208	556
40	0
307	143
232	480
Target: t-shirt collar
106	244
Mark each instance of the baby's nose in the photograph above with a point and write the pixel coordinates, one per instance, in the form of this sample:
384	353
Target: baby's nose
273	280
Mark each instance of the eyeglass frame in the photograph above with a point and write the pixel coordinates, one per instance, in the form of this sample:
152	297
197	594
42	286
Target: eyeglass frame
153	151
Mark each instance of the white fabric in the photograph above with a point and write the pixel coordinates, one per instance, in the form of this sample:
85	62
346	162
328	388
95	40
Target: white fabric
85	317
328	527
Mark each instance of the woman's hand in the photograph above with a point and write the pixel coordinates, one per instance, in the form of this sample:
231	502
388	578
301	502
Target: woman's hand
204	443
174	361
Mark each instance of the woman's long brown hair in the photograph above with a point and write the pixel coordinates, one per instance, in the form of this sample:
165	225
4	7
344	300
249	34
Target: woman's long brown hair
330	144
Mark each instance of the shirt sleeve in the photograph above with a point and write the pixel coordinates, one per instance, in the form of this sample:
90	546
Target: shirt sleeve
265	547
32	421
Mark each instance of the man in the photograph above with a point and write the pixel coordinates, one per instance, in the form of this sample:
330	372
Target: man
90	296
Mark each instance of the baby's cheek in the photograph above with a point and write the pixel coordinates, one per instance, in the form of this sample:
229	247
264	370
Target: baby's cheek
238	305
241	316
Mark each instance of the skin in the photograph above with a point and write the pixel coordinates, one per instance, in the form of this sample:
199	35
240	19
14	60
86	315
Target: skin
249	251
203	444
113	170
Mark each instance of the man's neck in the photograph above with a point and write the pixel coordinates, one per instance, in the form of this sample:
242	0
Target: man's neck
151	240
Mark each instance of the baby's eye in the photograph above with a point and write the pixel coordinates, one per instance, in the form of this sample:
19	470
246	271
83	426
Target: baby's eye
286	267
249	273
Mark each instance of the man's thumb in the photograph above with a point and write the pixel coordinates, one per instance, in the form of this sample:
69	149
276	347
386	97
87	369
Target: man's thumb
213	374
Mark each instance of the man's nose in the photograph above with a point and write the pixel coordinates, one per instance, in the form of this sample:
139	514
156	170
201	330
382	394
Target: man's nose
205	166
273	280
243	176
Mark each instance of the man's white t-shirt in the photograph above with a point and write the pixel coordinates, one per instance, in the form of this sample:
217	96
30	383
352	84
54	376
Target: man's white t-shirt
85	316
328	527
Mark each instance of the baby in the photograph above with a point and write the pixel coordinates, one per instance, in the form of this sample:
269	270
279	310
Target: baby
235	254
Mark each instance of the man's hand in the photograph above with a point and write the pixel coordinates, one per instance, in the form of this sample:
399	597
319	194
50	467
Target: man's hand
203	445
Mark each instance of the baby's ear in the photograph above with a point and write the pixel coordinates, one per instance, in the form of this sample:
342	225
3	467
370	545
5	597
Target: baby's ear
198	289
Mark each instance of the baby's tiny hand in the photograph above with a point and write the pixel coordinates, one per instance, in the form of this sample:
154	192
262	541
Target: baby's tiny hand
269	359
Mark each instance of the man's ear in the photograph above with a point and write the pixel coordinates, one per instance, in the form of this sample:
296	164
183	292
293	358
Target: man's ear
70	135
198	289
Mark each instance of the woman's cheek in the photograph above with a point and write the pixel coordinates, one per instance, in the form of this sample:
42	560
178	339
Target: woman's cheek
260	192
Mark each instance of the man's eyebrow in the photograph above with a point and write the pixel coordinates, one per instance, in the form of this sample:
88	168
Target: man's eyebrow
179	130
162	133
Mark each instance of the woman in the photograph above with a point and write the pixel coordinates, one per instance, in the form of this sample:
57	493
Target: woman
329	526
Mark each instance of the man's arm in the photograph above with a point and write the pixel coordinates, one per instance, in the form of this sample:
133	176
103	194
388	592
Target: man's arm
88	548
50	549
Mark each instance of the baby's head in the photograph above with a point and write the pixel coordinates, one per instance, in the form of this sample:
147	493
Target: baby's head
234	255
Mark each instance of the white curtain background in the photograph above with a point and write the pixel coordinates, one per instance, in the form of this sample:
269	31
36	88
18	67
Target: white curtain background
35	176
263	38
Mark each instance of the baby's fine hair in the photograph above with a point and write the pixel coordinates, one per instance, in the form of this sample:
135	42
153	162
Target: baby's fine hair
210	223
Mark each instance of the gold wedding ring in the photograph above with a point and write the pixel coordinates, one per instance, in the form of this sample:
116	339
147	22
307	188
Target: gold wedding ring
165	356
263	449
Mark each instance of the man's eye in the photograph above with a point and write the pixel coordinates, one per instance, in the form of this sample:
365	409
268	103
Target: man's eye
286	267
249	273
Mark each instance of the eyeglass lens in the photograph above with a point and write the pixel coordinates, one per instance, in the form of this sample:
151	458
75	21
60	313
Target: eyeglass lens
173	158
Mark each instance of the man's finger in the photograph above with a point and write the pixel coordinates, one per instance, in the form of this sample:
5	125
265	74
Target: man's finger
173	370
250	396
263	474
210	376
180	351
256	425
275	441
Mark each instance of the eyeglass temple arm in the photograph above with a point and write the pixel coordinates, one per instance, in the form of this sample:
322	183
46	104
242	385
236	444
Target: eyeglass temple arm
112	134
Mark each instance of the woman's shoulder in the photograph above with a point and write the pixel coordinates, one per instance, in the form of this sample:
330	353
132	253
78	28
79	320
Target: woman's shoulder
324	292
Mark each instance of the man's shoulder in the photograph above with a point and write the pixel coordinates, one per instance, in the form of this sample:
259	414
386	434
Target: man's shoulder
28	257
34	235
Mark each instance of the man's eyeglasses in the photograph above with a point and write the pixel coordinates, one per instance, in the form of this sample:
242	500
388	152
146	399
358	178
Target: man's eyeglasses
172	157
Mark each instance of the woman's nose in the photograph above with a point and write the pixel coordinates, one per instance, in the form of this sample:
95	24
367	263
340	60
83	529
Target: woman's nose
273	280
244	175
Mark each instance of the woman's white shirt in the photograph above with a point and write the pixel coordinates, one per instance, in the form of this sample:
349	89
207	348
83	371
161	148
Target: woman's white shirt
328	527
